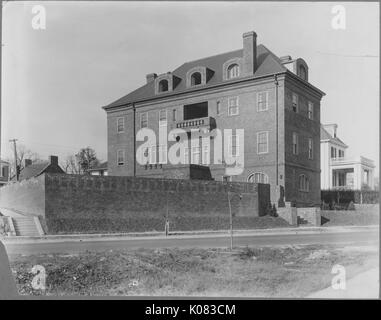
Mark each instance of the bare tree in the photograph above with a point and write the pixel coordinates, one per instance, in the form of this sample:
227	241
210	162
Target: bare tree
23	153
71	165
87	159
81	162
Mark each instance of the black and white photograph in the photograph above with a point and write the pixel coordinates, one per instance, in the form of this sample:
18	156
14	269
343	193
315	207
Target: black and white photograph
189	150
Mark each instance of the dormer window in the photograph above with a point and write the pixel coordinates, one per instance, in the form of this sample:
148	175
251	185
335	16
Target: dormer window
166	82
198	75
233	71
302	72
163	85
232	68
196	79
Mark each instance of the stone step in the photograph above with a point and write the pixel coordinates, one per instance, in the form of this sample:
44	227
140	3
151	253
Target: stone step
25	226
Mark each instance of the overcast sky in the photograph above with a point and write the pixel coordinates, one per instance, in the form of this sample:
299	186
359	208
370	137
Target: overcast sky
55	81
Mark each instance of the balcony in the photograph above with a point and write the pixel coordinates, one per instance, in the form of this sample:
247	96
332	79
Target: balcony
205	122
339	159
352	161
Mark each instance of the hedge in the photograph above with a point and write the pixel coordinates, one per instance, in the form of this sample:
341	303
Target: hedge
344	197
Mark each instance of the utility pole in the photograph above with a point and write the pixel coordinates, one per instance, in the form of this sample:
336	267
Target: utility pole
15	155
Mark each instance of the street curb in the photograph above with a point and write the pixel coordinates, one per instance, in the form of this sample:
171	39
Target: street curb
186	234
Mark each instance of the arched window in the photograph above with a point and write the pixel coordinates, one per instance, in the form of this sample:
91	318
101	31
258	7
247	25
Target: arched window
304	183
195	78
233	71
258	177
163	85
302	72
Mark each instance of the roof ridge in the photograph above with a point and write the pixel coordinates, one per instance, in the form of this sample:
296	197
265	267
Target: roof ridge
213	56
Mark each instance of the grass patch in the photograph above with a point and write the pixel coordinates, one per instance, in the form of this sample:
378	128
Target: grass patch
360	217
287	271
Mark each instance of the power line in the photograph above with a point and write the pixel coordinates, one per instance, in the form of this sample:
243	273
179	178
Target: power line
348	55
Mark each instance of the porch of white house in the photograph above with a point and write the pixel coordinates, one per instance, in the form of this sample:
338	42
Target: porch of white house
351	173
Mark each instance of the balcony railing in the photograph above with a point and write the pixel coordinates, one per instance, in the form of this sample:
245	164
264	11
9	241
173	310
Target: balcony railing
206	122
338	159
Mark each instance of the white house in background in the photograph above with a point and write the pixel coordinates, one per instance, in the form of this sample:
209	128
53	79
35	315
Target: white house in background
337	169
100	170
4	172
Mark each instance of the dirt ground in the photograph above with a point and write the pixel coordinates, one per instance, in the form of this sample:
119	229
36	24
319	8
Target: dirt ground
286	271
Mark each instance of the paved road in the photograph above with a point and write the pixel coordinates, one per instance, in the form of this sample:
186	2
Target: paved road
74	246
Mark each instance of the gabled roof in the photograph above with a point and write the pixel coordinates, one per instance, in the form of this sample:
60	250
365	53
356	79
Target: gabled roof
101	166
37	169
267	64
325	135
33	170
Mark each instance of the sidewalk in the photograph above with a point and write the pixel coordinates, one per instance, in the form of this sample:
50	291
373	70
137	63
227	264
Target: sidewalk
187	234
363	286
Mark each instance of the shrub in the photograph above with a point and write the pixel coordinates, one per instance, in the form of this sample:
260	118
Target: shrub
351	206
4	227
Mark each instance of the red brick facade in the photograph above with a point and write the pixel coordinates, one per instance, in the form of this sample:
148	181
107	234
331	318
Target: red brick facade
279	161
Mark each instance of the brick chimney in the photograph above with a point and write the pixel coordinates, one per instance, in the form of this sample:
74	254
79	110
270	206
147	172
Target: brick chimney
53	160
249	53
150	77
27	162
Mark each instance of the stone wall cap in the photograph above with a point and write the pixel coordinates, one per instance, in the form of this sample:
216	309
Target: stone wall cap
249	34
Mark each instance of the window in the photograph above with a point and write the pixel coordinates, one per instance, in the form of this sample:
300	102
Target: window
302	72
162	150
341	153
174	115
163	117
295	139
227	178
205	155
262	142
333	152
144	120
233	106
152	154
120	157
186	155
163	85
233	146
3	171
262	101
233	71
310	149
258	177
304	184
120	125
310	110
218	108
195	79
295	99
195	155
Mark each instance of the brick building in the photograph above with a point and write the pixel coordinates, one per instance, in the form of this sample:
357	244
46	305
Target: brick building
252	89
